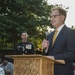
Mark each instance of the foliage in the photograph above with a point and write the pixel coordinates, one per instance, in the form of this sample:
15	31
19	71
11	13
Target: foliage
22	15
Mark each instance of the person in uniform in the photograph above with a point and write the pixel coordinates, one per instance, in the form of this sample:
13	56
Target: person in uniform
24	47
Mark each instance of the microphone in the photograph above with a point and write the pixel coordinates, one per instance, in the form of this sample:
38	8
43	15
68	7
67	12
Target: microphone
47	33
45	49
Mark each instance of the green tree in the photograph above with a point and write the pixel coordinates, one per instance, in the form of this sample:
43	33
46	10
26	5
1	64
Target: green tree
22	15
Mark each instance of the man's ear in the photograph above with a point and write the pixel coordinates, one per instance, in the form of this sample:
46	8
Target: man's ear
63	17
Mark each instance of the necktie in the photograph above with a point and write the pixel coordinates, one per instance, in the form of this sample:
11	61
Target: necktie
54	37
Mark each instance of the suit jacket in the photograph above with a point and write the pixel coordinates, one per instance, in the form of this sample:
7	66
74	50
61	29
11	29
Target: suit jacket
63	48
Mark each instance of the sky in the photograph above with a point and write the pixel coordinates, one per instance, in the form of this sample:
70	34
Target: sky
70	20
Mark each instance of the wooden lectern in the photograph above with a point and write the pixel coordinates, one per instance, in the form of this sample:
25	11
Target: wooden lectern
33	65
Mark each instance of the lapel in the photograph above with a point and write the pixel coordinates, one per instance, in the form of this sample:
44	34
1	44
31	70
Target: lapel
59	35
50	41
51	38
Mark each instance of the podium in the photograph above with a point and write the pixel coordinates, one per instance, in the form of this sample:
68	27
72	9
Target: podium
33	64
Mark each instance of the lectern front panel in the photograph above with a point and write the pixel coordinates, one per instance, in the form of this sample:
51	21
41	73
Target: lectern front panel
27	66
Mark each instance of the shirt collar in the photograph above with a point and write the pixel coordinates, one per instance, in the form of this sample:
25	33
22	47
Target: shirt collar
59	28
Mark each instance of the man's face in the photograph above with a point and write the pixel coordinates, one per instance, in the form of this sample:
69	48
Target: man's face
56	18
24	36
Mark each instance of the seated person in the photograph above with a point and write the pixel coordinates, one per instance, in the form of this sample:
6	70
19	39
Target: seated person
24	47
2	71
8	67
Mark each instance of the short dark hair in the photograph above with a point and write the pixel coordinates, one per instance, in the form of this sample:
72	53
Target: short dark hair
24	32
61	11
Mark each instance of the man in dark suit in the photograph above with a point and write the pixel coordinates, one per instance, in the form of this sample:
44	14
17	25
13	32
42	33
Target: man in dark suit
63	46
24	47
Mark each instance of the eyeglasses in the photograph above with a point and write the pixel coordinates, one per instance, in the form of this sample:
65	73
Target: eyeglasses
54	16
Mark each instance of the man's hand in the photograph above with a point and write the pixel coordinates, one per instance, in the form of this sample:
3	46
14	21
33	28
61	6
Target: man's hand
45	45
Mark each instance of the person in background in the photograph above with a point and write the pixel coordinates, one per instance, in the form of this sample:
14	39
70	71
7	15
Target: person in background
24	47
74	67
60	44
0	62
1	69
8	67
